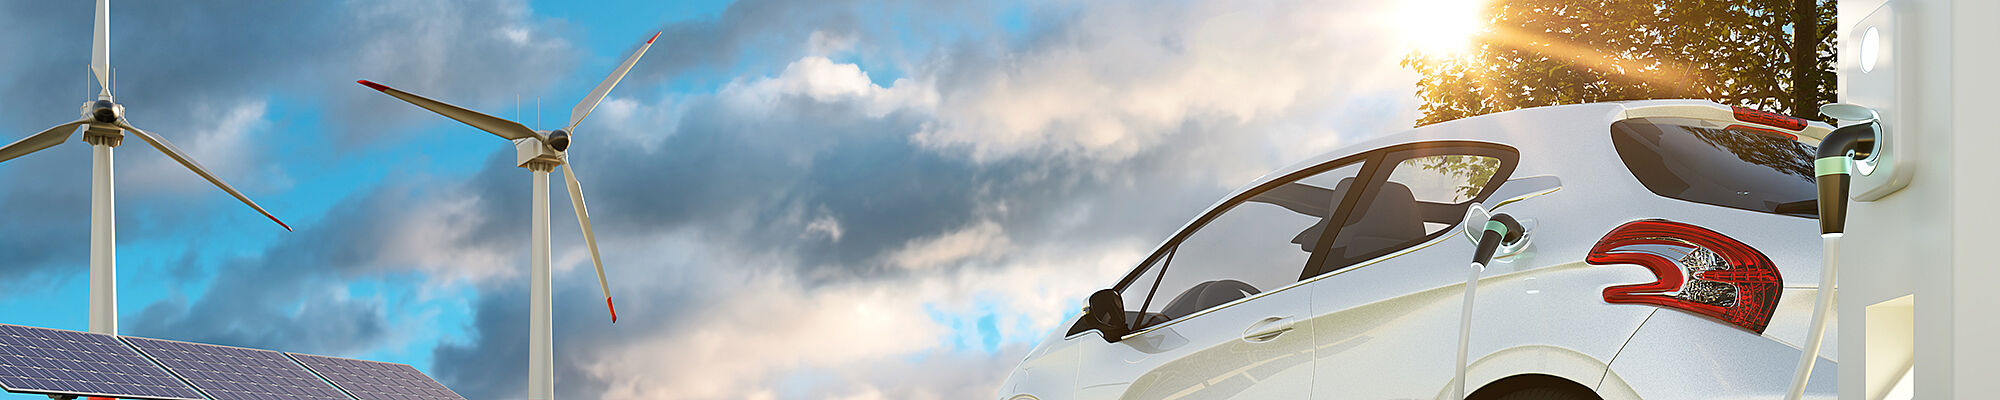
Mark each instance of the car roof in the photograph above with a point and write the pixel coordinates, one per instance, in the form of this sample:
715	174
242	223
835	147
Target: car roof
1537	130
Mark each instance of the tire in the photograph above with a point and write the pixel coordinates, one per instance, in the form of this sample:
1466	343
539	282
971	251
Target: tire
1543	393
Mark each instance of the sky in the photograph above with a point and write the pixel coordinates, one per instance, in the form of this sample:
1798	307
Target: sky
794	199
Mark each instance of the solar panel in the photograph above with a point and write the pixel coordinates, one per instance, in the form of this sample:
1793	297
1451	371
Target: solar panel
49	361
372	380
233	373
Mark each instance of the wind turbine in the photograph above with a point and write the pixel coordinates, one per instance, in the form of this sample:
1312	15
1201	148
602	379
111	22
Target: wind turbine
540	152
105	126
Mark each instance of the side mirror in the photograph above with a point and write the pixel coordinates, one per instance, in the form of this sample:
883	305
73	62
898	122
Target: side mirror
1106	314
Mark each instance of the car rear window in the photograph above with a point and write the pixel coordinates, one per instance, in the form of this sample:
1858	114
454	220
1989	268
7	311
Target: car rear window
1719	164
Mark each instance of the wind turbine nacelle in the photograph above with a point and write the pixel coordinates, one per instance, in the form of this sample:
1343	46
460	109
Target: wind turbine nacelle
534	149
103	111
559	139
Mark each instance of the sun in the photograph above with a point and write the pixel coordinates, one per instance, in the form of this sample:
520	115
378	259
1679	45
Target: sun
1439	27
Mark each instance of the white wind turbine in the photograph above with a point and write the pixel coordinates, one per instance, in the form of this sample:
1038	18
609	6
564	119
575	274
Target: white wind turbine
104	128
540	152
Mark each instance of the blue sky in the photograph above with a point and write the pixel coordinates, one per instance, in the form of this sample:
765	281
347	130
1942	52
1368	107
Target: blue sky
795	199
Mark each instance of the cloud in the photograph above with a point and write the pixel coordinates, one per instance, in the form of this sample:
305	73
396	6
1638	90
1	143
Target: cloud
824	43
822	80
983	238
406	45
1119	78
823	226
225	141
759	333
294	296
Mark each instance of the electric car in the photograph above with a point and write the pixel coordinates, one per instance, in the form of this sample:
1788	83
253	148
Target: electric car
1671	252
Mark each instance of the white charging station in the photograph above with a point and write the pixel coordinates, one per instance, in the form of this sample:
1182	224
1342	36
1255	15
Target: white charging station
1919	286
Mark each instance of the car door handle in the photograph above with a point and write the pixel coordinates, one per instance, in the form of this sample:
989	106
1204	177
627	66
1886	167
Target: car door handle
1268	329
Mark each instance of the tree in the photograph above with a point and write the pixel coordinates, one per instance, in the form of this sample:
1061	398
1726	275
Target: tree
1550	52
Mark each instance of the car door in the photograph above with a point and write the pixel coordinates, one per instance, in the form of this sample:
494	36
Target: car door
1385	299
1216	312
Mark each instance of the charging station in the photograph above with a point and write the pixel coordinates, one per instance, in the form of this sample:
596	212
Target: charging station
1919	286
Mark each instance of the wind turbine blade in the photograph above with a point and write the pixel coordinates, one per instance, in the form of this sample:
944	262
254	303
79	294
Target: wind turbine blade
175	153
491	124
589	236
100	47
596	95
39	141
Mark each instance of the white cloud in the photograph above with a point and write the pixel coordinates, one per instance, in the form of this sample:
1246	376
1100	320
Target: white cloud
1127	75
823	80
628	120
983	238
516	35
877	338
823	226
430	237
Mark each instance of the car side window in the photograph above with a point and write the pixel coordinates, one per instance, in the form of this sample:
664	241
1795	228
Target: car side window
1423	194
1252	246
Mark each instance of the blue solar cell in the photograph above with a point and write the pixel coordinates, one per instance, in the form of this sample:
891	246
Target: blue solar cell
49	361
229	373
373	380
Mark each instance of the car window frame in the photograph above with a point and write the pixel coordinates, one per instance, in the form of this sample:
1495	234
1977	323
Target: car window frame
1371	162
1508	156
1167	249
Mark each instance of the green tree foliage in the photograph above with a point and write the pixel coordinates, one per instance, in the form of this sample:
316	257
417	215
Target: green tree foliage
1548	52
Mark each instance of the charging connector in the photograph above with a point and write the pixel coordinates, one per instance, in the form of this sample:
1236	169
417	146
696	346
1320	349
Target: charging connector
1499	229
1836	155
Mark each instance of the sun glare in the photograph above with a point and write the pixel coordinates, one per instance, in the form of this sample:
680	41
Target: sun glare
1440	27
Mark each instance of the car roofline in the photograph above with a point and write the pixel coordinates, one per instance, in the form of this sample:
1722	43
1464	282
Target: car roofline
1490	128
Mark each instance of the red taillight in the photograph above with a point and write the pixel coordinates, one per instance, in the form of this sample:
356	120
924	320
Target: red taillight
1768	118
1713	275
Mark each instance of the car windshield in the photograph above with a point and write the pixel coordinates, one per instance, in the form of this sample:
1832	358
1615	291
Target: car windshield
1719	164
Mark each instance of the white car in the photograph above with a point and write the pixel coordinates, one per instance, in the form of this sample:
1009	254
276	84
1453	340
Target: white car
1672	252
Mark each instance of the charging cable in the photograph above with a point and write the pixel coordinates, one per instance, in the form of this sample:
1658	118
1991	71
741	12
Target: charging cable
1500	229
1836	154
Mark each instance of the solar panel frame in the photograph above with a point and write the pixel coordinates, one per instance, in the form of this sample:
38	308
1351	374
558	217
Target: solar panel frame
376	380
233	373
58	362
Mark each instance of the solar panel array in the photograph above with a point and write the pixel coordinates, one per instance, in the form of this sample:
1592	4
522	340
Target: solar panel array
69	363
235	373
49	361
372	380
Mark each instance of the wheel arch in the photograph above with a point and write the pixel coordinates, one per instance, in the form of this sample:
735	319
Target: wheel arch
1516	383
1510	369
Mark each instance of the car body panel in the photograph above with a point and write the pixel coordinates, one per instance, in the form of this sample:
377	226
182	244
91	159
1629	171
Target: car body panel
1662	363
1205	356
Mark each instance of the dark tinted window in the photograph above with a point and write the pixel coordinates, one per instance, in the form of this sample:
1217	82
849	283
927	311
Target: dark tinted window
1715	163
